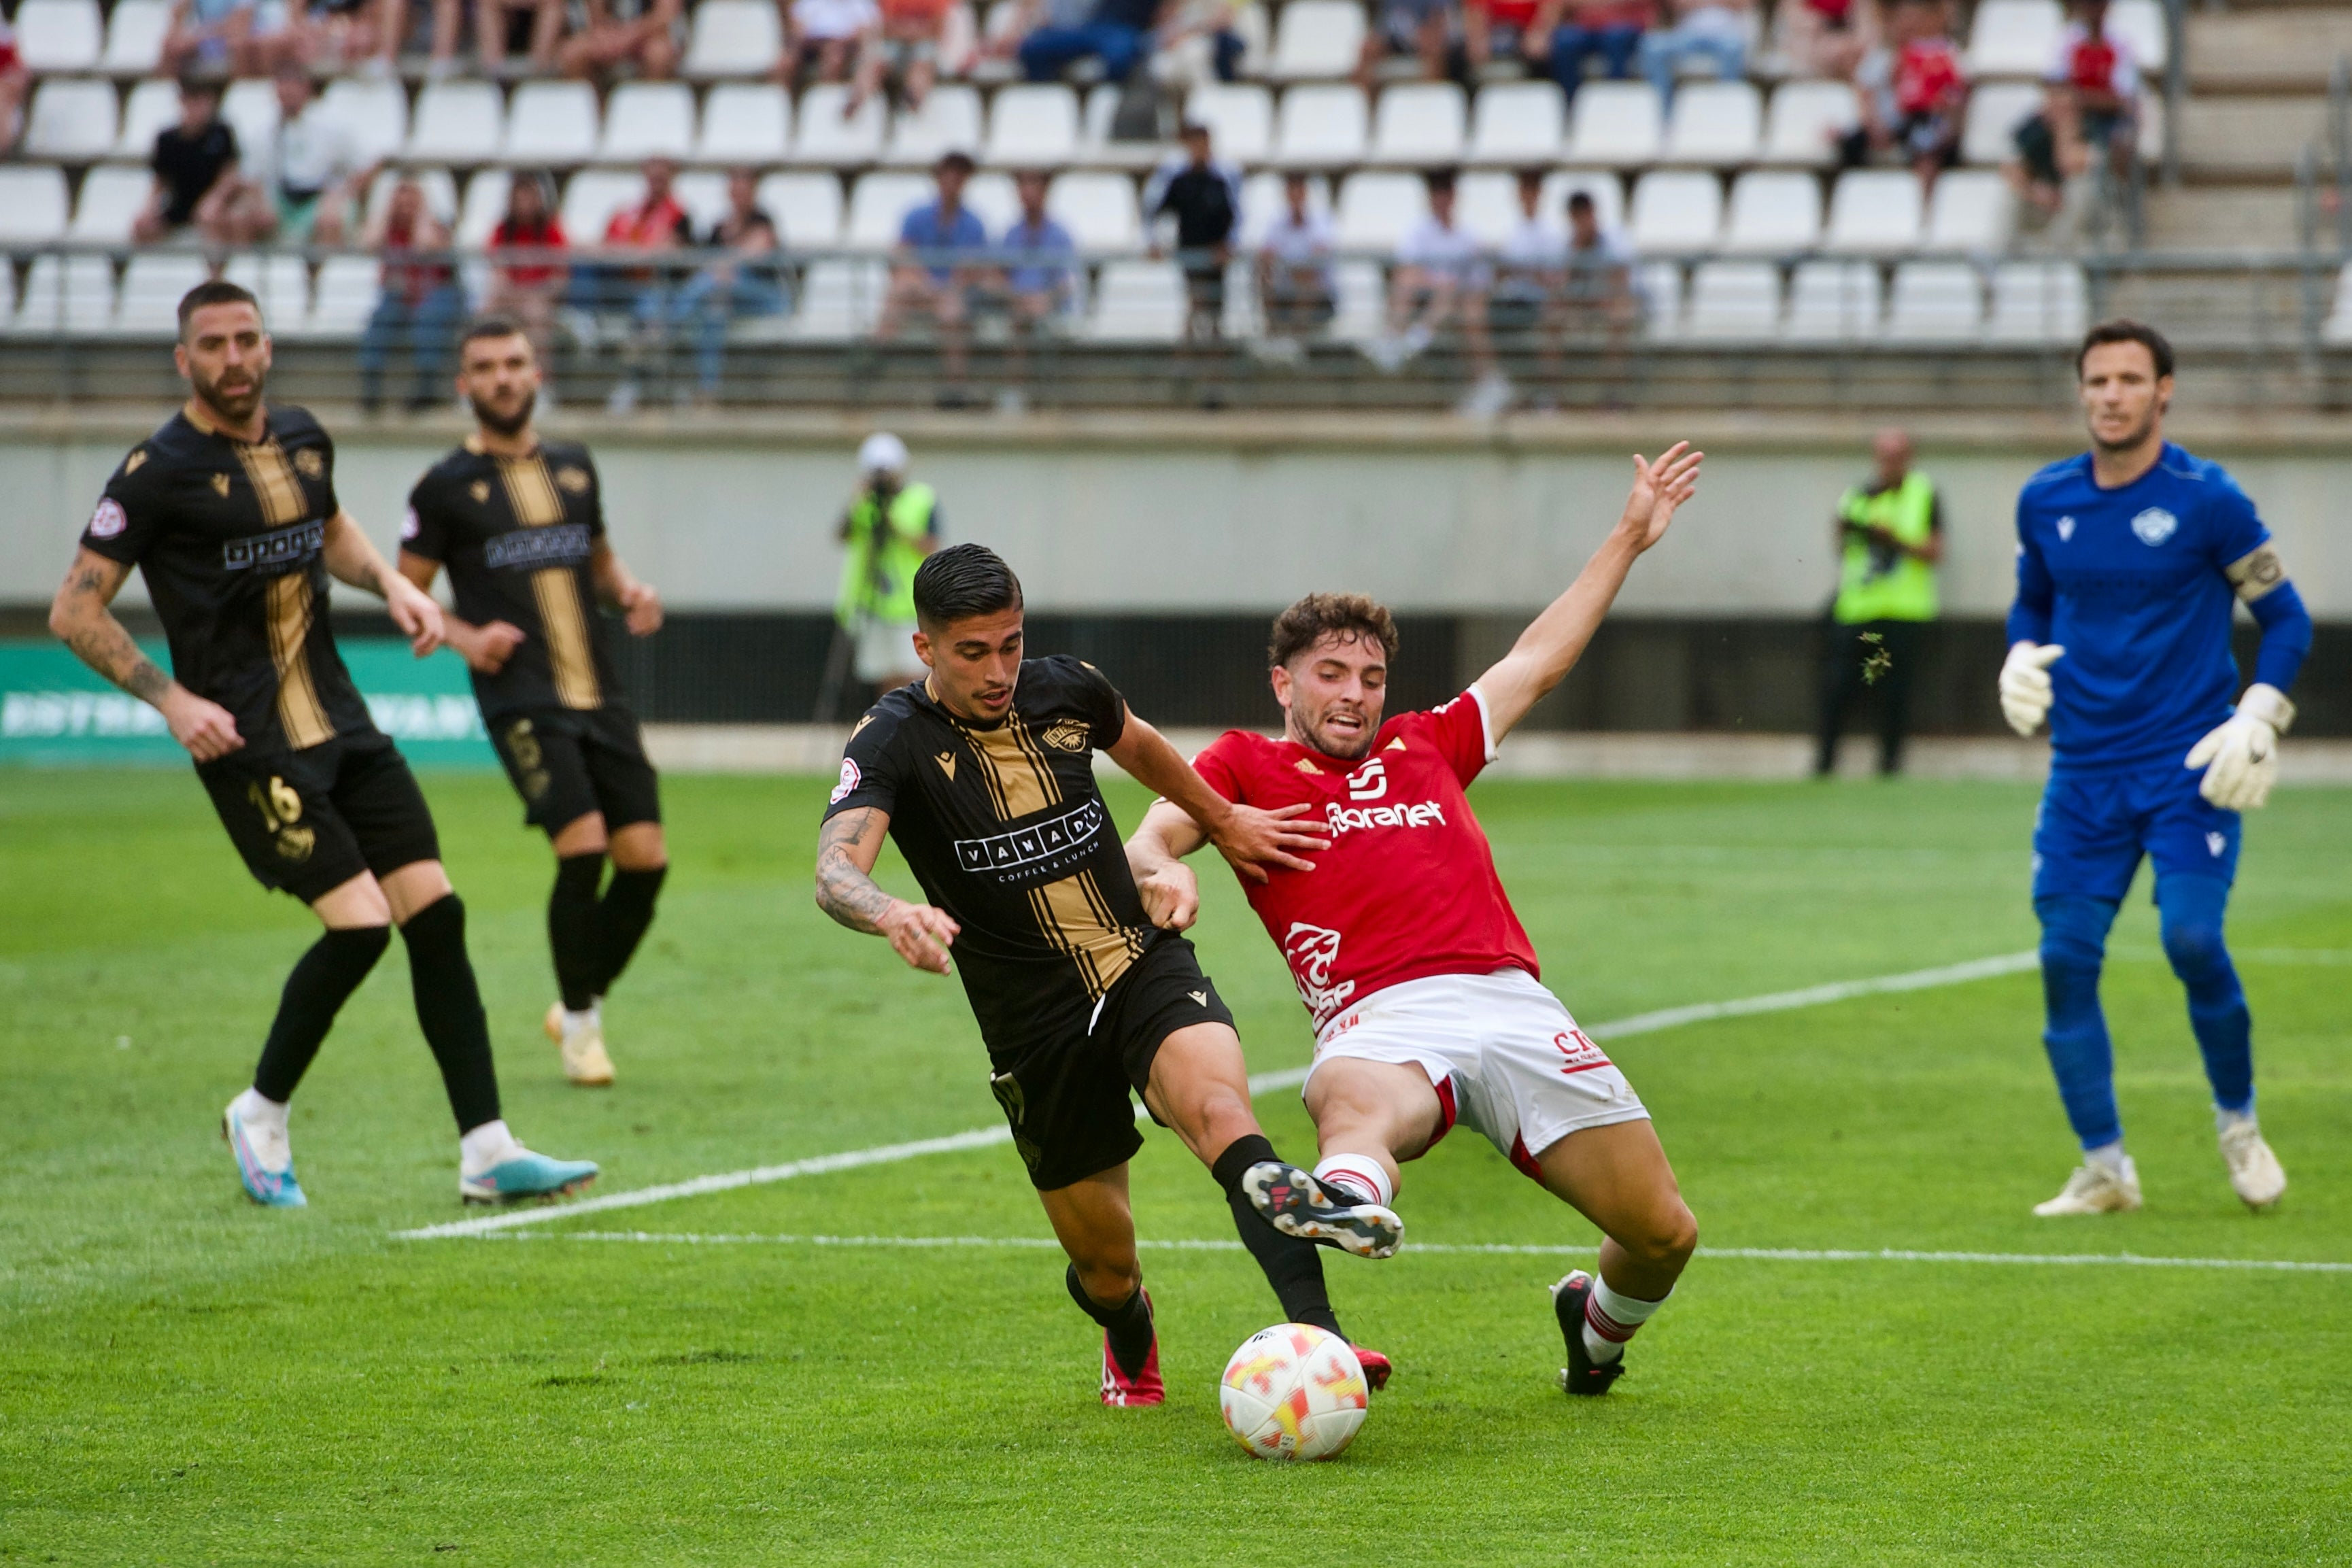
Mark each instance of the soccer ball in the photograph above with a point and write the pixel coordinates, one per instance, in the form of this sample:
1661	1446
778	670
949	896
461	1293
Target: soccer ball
1294	1392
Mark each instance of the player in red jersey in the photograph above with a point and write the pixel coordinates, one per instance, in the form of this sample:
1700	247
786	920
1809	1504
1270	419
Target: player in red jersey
1405	949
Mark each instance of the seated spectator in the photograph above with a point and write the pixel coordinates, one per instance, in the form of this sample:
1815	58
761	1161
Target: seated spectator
1427	30
1041	260
211	36
313	176
528	289
901	55
336	36
420	305
1200	40
1711	30
938	261
1914	94
2090	104
1205	197
1118	32
823	39
647	234
196	173
16	85
647	36
502	27
1295	287
1530	274
1598	268
748	281
1439	281
1827	38
1609	28
1507	30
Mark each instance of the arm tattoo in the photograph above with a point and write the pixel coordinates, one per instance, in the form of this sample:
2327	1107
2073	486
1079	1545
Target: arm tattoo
843	891
102	642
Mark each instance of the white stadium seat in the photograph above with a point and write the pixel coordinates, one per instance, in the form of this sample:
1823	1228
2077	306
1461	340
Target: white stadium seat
1676	211
2015	37
733	37
280	279
1263	202
1833	302
2336	329
456	122
374	108
1316	39
1097	118
1936	301
32	204
66	294
134	36
1996	110
1615	123
342	298
879	204
1873	212
551	122
1377	209
1033	126
153	284
1240	117
1971	210
1804	121
703	193
1362	303
1736	299
1139	302
151	107
2139	25
592	196
2037	302
71	120
250	108
1717	124
1486	201
1660	286
484	206
745	123
1517	123
948	121
989	197
1320	125
1098	208
112	195
1420	124
807	208
1773	212
59	35
647	120
840	300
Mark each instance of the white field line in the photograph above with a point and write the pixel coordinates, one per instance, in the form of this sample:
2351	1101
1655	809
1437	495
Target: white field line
1753	1254
1259	1083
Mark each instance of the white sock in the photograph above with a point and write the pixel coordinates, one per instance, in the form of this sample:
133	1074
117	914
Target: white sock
2224	1121
485	1146
256	1109
1610	1318
591	1017
2107	1157
1359	1176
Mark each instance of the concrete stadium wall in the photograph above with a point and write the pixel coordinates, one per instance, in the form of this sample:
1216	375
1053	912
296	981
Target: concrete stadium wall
1112	513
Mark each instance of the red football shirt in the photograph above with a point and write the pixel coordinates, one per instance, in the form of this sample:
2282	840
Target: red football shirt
1407	888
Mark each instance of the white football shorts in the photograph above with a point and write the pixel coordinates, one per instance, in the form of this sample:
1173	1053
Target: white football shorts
1503	1054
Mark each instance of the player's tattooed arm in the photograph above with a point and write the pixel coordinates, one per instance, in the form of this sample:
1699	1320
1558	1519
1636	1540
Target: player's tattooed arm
81	617
847	847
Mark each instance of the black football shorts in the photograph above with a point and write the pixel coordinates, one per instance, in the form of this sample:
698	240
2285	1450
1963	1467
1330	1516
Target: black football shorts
1066	1096
566	763
308	821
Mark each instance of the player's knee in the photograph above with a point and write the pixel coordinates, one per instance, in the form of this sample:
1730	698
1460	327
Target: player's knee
2195	948
1666	1238
1109	1279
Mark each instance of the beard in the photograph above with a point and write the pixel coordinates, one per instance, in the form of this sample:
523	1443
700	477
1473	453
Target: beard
235	404
2139	432
506	423
1319	738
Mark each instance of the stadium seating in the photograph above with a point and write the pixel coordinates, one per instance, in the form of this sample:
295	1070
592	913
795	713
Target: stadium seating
822	135
250	108
279	279
1320	126
1805	119
745	123
1660	286
1737	300
807	208
439	186
72	120
647	120
1996	109
374	109
1138	302
1833	302
552	123
1361	302
948	121
1676	211
1773	212
1419	124
1316	39
111	196
1098	209
1517	123
840	300
1615	123
1715	123
2037	302
152	283
151	107
1240	117
878	204
1969	211
1936	301
2014	37
59	35
485	205
733	39
71	294
1376	209
33	206
592	196
456	122
989	197
134	36
1873	212
1034	126
342	297
1263	201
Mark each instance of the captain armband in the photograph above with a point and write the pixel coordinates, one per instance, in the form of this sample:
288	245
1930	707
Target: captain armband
2255	574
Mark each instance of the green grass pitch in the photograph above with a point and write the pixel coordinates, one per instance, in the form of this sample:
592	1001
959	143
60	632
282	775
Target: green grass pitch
185	1379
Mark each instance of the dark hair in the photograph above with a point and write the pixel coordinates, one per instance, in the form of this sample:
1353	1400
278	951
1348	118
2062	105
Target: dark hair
201	87
219	292
491	327
1319	616
2123	330
1580	200
1438	179
963	581
959	162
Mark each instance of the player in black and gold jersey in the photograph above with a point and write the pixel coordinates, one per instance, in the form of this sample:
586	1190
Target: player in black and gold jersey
229	510
519	522
983	772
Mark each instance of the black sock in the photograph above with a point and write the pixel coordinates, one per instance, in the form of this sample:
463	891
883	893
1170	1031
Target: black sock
449	1009
622	919
1293	1265
571	927
315	992
1128	1324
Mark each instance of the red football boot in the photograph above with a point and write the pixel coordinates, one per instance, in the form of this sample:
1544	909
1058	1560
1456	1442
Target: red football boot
1144	1387
1376	1367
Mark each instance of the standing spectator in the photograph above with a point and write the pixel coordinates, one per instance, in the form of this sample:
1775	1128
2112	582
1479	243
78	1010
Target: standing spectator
746	281
1529	300
2090	106
824	38
1205	197
1041	277
420	303
1295	287
196	173
1711	30
934	268
1424	29
1609	28
891	525
647	233
314	176
1118	32
1890	534
1507	30
528	290
902	54
1440	281
1914	94
211	36
645	34
502	27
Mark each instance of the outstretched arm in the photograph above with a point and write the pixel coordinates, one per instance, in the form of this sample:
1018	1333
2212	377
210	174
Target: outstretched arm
1555	639
1250	839
84	621
353	559
847	847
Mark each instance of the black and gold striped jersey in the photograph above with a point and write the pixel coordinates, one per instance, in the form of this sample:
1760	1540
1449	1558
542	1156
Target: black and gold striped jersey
1007	831
515	534
229	535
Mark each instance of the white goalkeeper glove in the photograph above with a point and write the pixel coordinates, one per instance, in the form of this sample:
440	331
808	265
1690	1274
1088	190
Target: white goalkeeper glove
2243	751
2026	684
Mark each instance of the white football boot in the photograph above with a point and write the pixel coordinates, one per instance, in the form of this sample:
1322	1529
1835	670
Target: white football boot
581	1035
2255	1173
2095	1189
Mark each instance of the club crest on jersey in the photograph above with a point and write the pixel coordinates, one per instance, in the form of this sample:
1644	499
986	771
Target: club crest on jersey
2217	842
2154	526
1312	950
310	464
2065	528
480	490
849	779
1065	734
574	479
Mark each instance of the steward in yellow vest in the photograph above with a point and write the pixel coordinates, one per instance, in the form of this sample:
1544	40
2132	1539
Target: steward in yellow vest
890	526
1890	534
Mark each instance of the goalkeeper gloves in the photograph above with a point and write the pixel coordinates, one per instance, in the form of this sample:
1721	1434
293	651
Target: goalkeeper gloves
2026	684
2241	757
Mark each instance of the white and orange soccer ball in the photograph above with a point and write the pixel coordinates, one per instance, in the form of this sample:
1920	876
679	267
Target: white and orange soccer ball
1294	1392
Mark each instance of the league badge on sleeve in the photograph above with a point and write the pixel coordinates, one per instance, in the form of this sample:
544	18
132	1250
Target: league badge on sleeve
109	519
849	781
2154	526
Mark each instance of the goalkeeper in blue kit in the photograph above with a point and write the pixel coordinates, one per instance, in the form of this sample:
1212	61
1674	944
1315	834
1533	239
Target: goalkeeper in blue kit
2129	559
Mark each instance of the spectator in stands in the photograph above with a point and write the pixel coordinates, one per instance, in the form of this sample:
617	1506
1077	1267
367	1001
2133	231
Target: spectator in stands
1711	30
1040	278
1914	94
528	290
314	176
2090	106
824	38
746	281
1527	303
1439	281
1200	39
646	36
1827	38
502	27
1116	32
195	172
1610	28
1295	286
1204	198
1507	30
932	272
210	36
1599	271
648	234
1890	535
901	55
16	85
334	35
1427	30
420	303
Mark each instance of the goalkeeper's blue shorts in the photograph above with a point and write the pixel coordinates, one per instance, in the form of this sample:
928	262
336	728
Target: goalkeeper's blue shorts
2092	828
